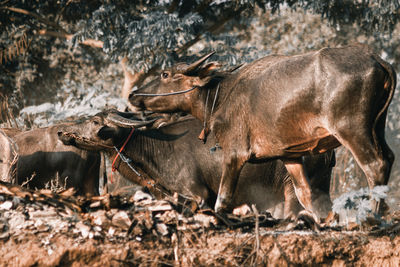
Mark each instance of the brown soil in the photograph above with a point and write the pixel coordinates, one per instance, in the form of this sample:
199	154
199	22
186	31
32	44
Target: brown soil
41	228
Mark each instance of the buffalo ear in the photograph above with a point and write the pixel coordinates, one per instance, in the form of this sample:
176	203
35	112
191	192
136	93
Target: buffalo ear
207	69
205	74
106	133
202	82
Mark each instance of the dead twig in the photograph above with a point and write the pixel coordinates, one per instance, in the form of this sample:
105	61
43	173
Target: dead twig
19	47
64	35
175	242
28	180
36	16
257	233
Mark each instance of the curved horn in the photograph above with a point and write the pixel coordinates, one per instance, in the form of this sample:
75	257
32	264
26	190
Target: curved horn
192	67
140	115
127	123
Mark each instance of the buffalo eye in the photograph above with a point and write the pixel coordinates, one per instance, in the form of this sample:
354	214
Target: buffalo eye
164	75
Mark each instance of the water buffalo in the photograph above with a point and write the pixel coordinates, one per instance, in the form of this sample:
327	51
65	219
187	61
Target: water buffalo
39	159
285	107
173	157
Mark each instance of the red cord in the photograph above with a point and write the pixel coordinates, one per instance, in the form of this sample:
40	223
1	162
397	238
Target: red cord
113	169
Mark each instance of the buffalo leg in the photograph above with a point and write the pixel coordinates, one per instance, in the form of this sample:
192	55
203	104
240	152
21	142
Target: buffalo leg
301	185
387	153
291	204
230	174
374	159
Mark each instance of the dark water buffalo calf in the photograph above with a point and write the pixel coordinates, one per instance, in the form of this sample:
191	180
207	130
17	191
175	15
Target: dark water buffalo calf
286	107
42	158
174	158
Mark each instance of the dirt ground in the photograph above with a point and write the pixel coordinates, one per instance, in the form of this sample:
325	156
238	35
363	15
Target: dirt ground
41	228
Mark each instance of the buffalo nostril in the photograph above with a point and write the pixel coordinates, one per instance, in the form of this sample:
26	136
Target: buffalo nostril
59	133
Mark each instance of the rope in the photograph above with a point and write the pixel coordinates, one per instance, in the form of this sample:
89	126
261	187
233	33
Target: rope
215	100
113	169
205	110
204	133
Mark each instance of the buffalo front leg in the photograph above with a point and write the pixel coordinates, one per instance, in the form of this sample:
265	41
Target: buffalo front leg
301	185
230	173
291	204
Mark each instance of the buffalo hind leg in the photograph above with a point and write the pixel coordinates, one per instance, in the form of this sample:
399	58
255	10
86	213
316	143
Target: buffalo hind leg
374	159
230	173
387	152
301	186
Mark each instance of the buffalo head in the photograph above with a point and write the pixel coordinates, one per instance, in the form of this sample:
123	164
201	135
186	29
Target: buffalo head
102	130
173	89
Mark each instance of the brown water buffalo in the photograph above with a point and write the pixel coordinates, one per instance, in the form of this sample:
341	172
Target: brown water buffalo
43	160
176	160
286	107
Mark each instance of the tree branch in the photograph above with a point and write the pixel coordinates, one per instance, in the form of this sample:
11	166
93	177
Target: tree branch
88	42
36	16
217	25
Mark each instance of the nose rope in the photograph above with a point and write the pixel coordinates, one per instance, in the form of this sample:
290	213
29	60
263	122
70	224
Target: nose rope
123	158
205	111
167	94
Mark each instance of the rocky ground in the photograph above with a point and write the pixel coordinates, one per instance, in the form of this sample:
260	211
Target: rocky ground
42	228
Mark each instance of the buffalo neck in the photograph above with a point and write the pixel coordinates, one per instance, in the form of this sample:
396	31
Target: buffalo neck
149	152
207	102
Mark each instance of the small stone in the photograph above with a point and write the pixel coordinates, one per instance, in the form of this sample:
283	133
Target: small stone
16	221
43	213
83	229
6	205
142	196
111	231
41	226
205	220
162	229
121	219
96	204
242	210
160	206
99	217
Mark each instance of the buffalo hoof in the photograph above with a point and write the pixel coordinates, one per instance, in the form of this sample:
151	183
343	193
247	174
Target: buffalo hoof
307	220
222	205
